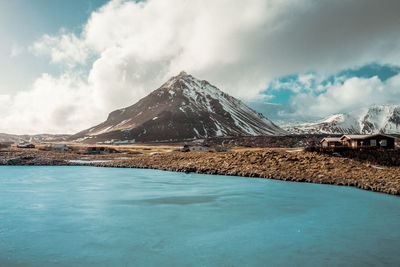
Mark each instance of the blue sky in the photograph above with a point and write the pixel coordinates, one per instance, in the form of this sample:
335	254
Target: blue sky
283	95
281	90
22	23
289	59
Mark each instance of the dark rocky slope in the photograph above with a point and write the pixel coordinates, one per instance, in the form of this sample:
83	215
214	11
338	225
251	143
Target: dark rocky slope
183	108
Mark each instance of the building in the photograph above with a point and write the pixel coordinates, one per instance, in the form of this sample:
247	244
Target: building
368	141
376	141
101	150
198	149
218	148
25	145
331	142
61	147
195	148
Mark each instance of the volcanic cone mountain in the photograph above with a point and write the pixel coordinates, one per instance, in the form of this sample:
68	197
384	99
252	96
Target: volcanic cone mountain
183	108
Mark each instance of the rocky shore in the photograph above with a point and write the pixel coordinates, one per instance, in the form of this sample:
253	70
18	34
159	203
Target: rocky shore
280	164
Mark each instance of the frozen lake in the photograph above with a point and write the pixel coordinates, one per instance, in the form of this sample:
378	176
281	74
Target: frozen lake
82	216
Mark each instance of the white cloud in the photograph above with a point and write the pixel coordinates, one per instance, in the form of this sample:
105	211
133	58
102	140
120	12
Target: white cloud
346	96
4	102
130	48
53	105
16	50
66	49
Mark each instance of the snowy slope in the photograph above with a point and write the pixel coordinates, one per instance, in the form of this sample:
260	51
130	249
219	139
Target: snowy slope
182	108
374	119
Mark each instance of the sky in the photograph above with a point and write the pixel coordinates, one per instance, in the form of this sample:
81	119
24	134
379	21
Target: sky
64	65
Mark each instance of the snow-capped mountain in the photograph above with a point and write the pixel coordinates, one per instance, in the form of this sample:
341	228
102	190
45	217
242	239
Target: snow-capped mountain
374	119
183	108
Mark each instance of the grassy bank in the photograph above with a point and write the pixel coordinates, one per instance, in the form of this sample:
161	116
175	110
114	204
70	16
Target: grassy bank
280	164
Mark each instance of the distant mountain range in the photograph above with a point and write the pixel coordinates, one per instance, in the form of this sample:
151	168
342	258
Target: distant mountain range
33	138
374	119
183	108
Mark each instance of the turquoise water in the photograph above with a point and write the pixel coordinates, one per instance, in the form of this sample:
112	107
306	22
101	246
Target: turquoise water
83	216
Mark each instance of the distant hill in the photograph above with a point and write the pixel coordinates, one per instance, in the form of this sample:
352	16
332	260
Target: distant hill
33	138
183	108
374	119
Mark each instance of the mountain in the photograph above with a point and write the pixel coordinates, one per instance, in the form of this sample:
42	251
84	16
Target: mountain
38	138
374	119
183	108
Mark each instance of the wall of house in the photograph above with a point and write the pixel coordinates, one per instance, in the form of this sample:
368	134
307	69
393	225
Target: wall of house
198	149
347	143
378	139
367	142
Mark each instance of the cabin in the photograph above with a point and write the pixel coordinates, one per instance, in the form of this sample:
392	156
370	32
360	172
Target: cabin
222	148
101	150
382	141
198	149
61	147
25	145
331	142
195	148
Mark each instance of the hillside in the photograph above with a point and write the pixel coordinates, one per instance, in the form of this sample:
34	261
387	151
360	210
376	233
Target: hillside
183	108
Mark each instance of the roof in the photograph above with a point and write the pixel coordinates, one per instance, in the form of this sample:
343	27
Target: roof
363	136
355	136
331	139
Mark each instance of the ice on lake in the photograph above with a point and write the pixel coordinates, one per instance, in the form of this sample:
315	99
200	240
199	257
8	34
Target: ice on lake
88	216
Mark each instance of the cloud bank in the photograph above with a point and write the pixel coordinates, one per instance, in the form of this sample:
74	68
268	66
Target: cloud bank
345	96
127	49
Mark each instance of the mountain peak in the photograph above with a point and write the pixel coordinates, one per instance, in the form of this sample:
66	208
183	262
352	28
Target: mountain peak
183	73
185	76
182	76
183	108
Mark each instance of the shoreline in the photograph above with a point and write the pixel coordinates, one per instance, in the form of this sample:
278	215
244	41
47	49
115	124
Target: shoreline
278	164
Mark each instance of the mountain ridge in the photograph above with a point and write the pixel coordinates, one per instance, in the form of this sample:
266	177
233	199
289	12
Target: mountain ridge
370	120
183	108
36	138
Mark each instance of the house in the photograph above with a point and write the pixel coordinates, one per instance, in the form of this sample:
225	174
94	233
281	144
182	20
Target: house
194	148
360	141
222	148
25	145
198	149
60	147
101	150
368	141
331	142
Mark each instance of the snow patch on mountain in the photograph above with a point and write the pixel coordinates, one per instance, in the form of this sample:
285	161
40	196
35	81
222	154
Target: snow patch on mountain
370	120
184	108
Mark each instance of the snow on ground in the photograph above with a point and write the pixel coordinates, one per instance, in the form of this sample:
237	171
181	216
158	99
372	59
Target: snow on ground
197	133
295	150
103	130
377	167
